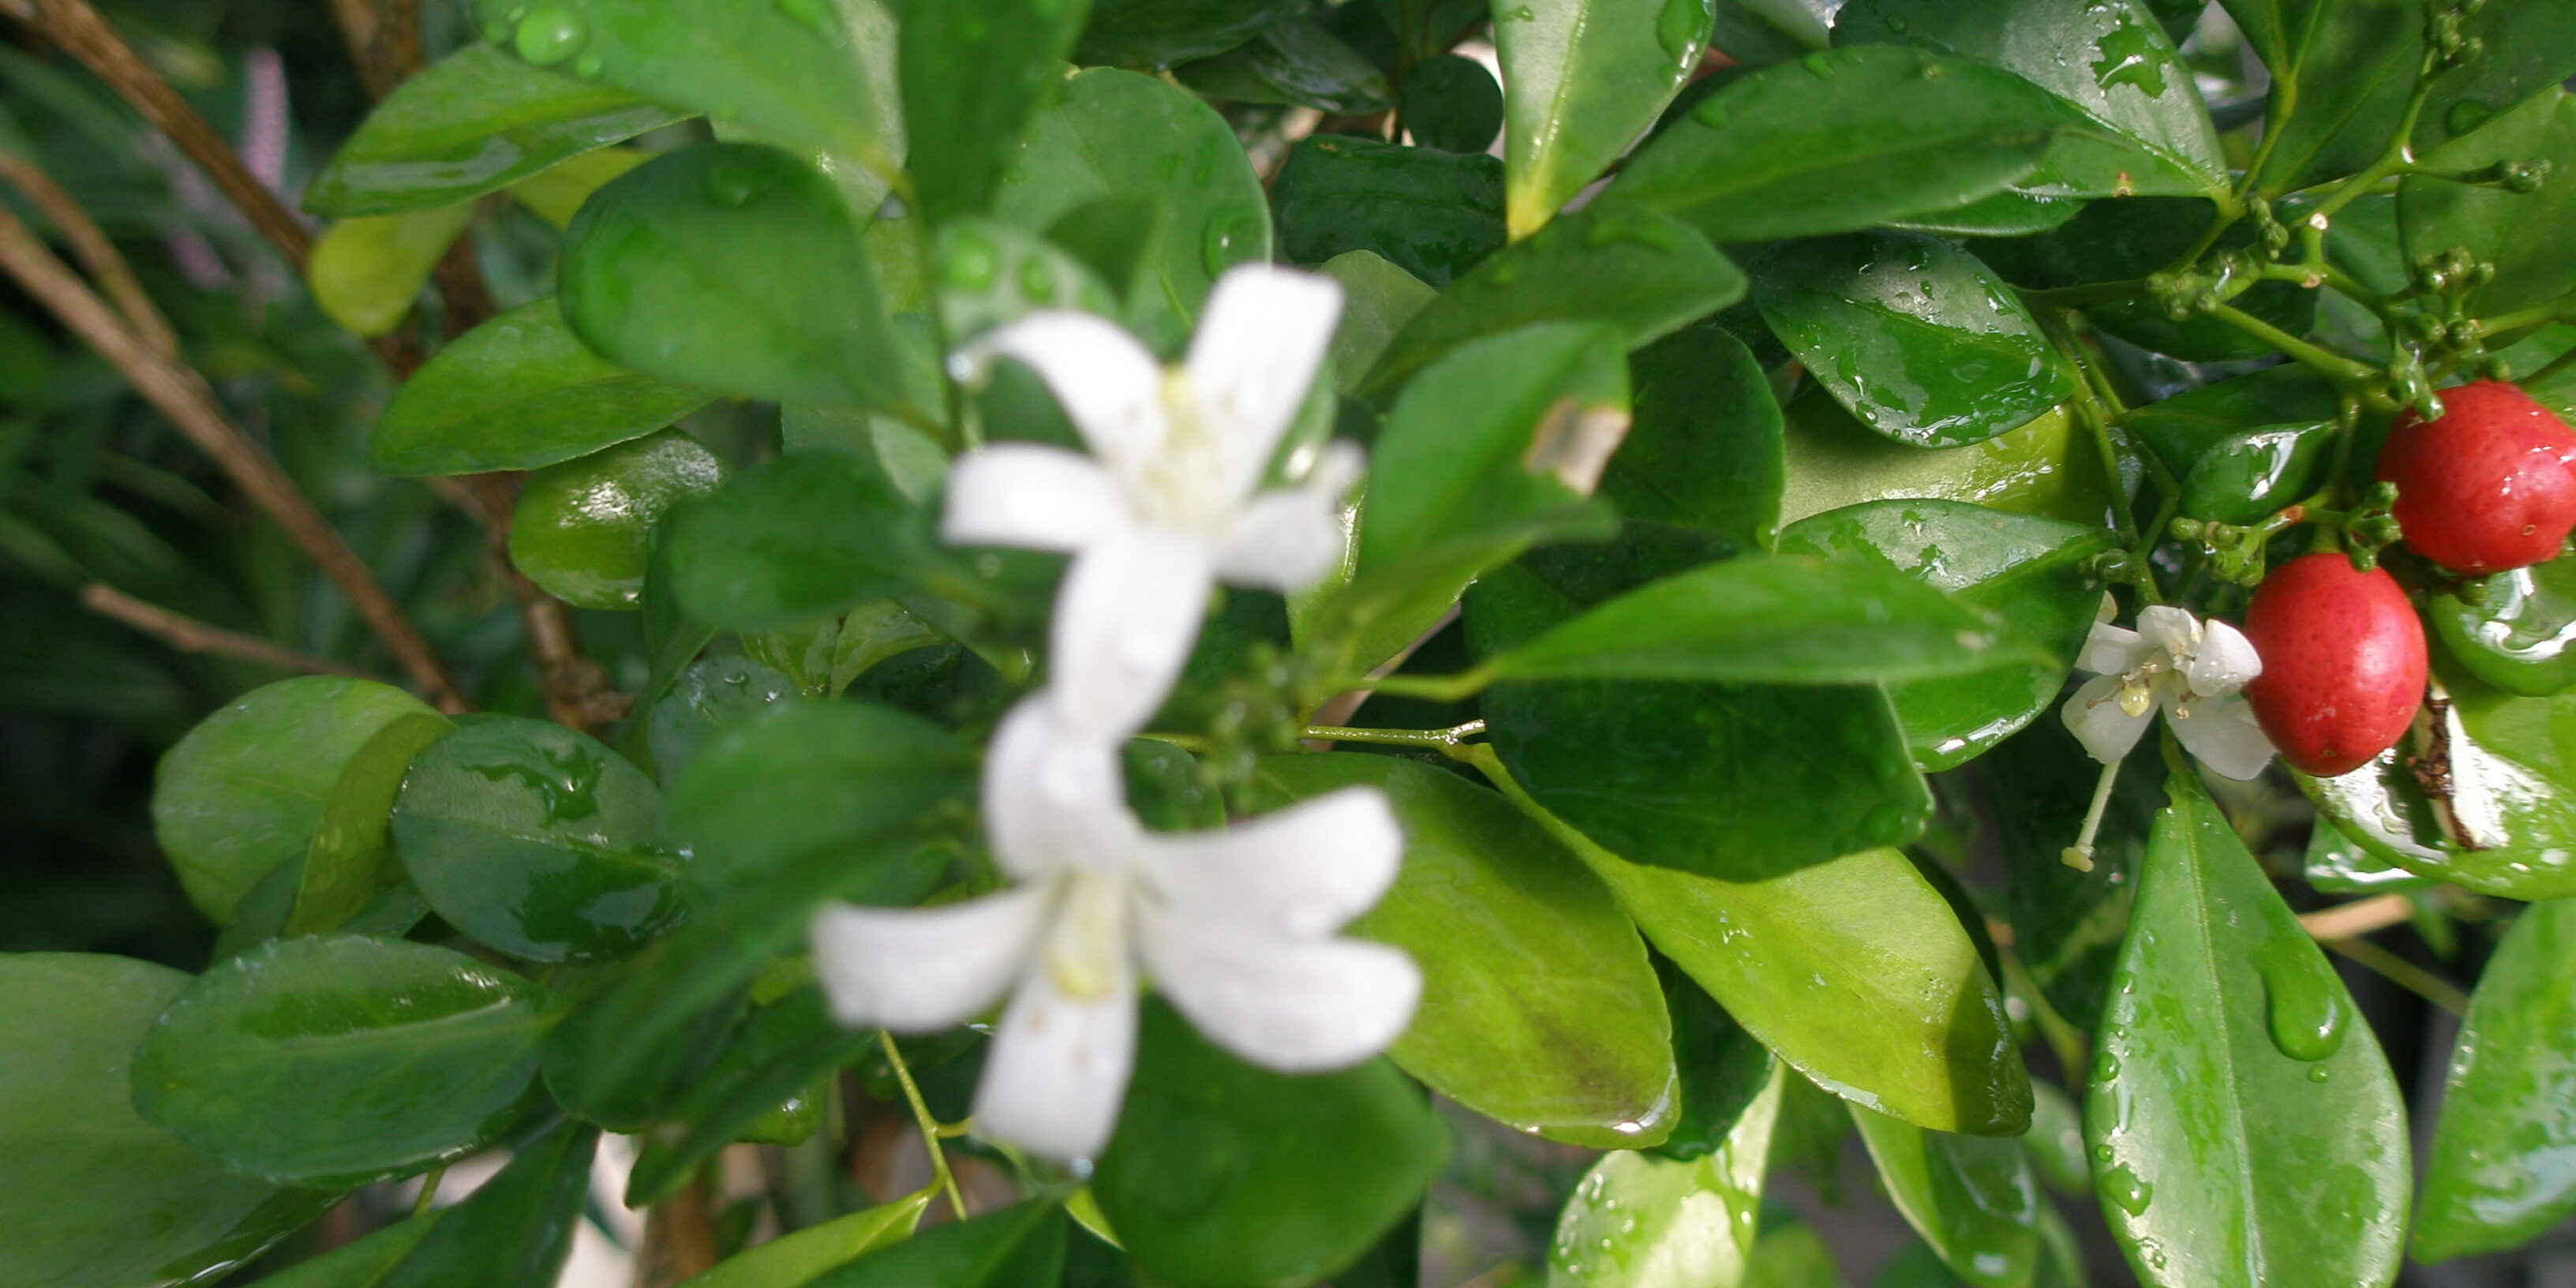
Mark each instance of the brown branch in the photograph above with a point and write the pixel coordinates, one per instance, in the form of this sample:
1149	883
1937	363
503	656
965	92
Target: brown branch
182	396
95	251
2359	917
84	35
188	635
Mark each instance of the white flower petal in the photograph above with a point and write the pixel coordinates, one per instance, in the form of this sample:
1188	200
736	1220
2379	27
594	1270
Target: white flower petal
1259	342
1059	1067
1298	872
2221	733
1125	621
1052	801
1031	496
2169	630
2224	662
2111	650
1284	541
1110	386
1298	1007
2095	717
918	970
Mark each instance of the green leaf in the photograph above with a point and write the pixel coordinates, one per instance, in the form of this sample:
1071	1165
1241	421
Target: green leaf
365	272
517	1228
1377	300
1704	450
2183	429
809	76
92	1195
1019	1245
1450	102
1538	1008
2045	467
473	122
973	75
2112	62
1971	1197
1123	136
1771	619
1757	33
2489	1183
515	393
1587	77
990	273
794	1260
1790	1255
1920	340
1222	1175
1840	141
731	267
2524	234
2019	569
1293	63
1723	1069
707	697
2055	1140
2337	864
241	793
557	194
800	536
779	1052
2236	1140
2005	214
2513	629
1433	214
806	777
362	1263
2067	925
341	1059
350	859
1162	33
1637	1221
2128	241
538	841
2247	477
1633	269
583	529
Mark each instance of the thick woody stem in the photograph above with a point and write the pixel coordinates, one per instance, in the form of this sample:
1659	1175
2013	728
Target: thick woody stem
188	635
182	396
96	253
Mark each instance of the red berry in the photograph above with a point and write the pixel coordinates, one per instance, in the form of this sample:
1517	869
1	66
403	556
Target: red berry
2343	663
2487	485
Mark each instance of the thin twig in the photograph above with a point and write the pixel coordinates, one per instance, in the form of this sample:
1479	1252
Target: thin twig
2403	973
2359	917
181	395
929	1126
84	35
188	635
95	252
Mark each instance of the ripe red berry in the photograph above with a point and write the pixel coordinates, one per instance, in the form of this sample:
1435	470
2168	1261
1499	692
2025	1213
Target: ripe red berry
2487	485
2343	663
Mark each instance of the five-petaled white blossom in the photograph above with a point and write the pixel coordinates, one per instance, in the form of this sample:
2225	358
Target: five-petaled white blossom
2193	669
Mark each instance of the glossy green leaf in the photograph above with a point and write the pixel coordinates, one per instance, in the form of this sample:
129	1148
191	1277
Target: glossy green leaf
365	272
1704	449
350	860
1222	1175
806	777
241	793
1538	1007
473	122
2127	241
2186	427
1971	1197
2246	1129
1771	619
1917	337
780	1051
1378	298
558	192
2020	569
1633	269
1021	1244
2247	477
91	1195
1120	135
1161	33
1757	33
973	75
2492	1181
793	1260
362	1263
1587	77
2524	234
337	1059
1840	141
1433	214
517	1228
710	695
1294	63
730	267
583	529
807	76
991	272
515	393
1723	1070
2337	864
1450	102
2067	925
2509	828
2513	630
1638	1221
1789	1255
2148	132
2045	468
2055	1140
798	537
538	841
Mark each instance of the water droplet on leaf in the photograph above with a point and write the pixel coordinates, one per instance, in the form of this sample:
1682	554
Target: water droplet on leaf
2127	1189
969	263
2303	1004
734	181
549	35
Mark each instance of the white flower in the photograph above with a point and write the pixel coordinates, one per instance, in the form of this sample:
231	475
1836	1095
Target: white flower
2191	668
1235	927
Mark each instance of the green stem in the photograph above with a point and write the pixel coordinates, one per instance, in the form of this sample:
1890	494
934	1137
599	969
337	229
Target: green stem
2403	973
1450	737
428	1188
2341	370
2086	296
1437	688
2552	368
2557	310
2284	105
1481	756
930	1129
1188	742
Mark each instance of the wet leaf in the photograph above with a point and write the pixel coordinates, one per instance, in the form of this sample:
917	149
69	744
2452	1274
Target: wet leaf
517	1228
798	537
1294	63
2521	233
2513	630
2046	467
1021	1244
2127	241
1587	77
792	1260
1161	33
366	271
2491	1181
349	860
583	529
1638	1221
973	76
801	778
1971	1197
1704	450
1433	214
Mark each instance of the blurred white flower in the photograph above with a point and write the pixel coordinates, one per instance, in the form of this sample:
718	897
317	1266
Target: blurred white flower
2193	670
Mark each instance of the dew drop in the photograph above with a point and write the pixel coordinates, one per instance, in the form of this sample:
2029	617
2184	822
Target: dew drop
2466	115
589	66
1682	28
2127	1189
2102	1153
1037	284
2303	1005
969	262
548	35
2317	1073
1224	241
1896	23
734	181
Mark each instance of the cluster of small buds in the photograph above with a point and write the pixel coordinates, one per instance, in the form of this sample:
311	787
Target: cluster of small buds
2235	552
2372	528
2451	45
